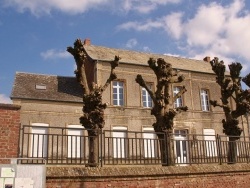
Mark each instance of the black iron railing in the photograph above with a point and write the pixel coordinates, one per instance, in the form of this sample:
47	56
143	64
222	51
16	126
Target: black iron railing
59	145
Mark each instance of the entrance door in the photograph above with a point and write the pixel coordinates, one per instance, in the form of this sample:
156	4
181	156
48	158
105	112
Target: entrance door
149	142
119	135
39	140
75	144
181	146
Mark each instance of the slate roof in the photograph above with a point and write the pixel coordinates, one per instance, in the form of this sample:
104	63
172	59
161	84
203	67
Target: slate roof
141	58
61	88
58	88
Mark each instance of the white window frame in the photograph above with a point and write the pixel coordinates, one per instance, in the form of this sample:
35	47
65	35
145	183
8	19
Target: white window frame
39	140
204	100
119	141
181	146
150	142
118	90
179	101
210	140
75	141
148	102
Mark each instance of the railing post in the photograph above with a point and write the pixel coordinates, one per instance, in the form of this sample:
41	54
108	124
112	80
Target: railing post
219	148
247	152
102	147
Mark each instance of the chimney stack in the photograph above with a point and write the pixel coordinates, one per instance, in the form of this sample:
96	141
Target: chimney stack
207	59
87	41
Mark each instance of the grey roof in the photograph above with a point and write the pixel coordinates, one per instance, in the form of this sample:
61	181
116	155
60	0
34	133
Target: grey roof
141	58
58	88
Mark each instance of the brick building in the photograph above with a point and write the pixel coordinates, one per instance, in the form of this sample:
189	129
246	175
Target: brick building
9	130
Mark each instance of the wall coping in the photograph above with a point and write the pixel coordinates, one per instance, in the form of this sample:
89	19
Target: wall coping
67	171
9	106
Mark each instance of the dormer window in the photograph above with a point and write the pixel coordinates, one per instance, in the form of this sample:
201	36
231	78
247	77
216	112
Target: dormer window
40	87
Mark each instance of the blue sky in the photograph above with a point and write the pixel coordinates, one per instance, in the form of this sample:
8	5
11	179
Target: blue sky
34	34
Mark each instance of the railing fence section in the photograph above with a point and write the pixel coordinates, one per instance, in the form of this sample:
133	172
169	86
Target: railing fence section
59	145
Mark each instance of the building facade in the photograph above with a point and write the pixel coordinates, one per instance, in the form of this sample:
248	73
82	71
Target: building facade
55	101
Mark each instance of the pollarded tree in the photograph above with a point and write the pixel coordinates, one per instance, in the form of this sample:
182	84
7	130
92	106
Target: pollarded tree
163	102
231	88
93	108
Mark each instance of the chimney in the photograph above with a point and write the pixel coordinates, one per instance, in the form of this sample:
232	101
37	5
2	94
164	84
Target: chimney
87	42
207	59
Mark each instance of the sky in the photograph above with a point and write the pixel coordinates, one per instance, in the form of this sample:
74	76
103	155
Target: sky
34	34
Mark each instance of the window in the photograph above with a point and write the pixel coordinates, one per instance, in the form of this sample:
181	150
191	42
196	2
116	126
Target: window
119	137
38	140
75	141
178	102
146	99
118	93
150	142
40	87
204	100
181	146
209	139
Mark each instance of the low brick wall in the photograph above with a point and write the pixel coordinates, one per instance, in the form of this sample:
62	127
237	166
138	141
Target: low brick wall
204	176
9	130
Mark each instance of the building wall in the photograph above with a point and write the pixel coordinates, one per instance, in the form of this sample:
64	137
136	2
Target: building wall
9	130
132	115
209	176
56	114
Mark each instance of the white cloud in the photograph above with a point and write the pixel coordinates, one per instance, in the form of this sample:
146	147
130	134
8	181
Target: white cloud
141	26
5	99
54	54
131	43
221	31
40	7
146	49
173	24
145	6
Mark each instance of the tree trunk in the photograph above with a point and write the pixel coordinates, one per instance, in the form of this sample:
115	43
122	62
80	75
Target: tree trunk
93	148
170	148
166	148
232	150
163	148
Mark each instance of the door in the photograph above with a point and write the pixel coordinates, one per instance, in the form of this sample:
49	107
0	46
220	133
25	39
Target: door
119	135
75	141
181	146
210	142
149	140
39	140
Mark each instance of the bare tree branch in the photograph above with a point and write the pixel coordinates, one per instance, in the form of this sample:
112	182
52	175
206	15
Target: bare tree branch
180	93
112	75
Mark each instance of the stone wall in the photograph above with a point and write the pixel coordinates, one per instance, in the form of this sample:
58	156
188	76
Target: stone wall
199	176
9	130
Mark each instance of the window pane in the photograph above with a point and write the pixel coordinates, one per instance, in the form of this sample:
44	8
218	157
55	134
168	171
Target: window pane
178	101
204	100
118	96
146	99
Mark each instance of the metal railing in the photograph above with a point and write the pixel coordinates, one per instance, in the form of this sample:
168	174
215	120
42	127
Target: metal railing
59	145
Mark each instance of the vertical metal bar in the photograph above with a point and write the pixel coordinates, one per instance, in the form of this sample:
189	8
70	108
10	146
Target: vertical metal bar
57	148
52	148
219	148
101	152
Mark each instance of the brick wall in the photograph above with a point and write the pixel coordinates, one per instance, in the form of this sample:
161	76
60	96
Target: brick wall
9	130
198	176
